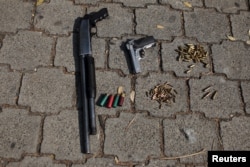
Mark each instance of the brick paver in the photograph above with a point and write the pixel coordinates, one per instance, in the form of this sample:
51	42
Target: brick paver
34	161
26	50
57	17
15	15
98	162
61	136
188	134
40	102
132	137
206	25
240	25
162	16
246	95
9	86
183	4
223	104
47	90
232	59
235	134
230	6
21	132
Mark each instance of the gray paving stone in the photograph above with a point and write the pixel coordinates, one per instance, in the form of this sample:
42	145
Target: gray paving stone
108	82
162	163
117	24
26	50
206	25
246	95
9	85
189	134
180	4
61	136
235	134
142	102
232	59
15	15
47	90
97	162
132	140
148	19
133	3
224	103
57	16
87	1
35	161
98	52
64	54
170	59
241	25
20	131
117	58
229	6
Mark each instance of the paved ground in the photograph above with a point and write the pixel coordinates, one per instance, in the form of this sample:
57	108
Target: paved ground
38	78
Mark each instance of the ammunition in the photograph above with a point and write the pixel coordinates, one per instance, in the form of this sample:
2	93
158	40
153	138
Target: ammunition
207	65
214	95
116	99
104	100
121	99
110	101
191	66
206	89
188	71
206	95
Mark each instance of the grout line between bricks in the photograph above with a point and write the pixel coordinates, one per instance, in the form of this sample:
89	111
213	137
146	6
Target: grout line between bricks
40	135
242	98
160	57
188	95
230	24
134	22
53	52
162	140
219	135
19	89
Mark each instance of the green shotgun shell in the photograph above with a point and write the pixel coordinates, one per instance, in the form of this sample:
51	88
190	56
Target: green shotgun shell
115	103
104	100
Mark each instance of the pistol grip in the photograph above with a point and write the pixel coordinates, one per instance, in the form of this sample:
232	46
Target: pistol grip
98	16
134	59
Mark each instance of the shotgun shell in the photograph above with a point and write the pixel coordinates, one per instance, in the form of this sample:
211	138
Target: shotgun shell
115	103
121	99
104	100
110	101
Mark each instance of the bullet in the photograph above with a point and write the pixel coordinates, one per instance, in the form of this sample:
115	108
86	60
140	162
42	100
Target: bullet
121	99
110	101
115	103
104	100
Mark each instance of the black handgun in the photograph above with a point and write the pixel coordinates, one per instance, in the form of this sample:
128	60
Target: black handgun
88	80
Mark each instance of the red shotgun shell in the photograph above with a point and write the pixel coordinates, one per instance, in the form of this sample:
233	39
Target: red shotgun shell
121	99
110	101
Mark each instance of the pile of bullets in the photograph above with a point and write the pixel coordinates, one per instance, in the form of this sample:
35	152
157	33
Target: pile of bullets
191	52
163	93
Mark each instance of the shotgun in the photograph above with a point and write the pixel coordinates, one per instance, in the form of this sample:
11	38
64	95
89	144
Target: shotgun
87	74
